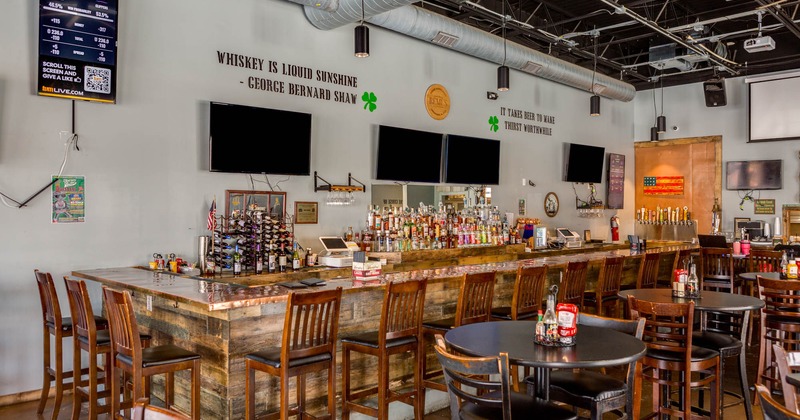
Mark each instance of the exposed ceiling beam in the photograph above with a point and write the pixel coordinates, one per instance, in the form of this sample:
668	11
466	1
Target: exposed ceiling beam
781	16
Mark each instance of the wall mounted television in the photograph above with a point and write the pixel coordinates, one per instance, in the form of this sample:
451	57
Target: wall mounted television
408	155
583	163
471	160
754	175
249	139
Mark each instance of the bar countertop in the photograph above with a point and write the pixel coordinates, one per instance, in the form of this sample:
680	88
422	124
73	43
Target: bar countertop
214	295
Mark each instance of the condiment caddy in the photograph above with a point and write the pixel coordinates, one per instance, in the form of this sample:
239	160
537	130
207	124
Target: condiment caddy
558	326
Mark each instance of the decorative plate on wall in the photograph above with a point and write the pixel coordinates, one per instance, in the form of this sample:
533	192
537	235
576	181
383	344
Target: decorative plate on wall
551	204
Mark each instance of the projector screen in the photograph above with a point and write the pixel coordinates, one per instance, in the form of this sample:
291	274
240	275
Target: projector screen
774	108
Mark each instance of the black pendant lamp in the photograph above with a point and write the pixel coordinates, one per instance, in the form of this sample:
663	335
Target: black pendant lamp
653	134
503	73
661	121
594	101
362	37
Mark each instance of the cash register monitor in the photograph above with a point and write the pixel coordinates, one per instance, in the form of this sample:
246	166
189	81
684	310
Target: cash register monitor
567	234
334	244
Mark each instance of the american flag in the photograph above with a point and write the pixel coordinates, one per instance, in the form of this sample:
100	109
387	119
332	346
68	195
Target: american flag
212	213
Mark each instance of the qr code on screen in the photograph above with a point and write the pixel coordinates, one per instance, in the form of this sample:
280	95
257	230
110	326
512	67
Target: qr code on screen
96	79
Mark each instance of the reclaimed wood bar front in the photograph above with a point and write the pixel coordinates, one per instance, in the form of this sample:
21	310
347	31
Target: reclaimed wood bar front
224	321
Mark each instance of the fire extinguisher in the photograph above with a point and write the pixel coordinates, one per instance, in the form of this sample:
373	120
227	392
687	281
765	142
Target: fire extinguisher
614	228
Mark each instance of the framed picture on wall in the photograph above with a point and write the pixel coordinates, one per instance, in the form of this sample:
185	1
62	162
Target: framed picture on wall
306	212
273	202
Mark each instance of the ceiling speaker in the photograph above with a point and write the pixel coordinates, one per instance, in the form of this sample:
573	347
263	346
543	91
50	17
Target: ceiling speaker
714	91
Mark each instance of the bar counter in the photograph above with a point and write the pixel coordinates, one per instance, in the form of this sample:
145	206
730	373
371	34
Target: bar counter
224	321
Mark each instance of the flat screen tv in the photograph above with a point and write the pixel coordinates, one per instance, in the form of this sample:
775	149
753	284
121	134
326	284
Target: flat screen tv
754	175
471	160
408	155
248	139
584	163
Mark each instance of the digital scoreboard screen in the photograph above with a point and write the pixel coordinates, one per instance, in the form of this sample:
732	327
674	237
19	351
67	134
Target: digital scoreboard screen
78	49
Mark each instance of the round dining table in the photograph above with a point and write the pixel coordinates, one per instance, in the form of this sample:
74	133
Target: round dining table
708	300
595	347
751	276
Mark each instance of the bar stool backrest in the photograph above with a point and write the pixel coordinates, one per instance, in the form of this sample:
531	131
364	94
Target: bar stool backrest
122	325
51	310
528	290
668	326
789	391
80	308
716	264
475	298
772	409
681	258
781	298
648	271
610	277
573	285
466	375
762	260
311	324
402	310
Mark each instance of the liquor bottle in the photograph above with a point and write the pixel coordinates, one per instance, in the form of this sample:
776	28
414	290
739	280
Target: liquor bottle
282	259
259	260
692	282
348	236
309	258
550	321
271	261
237	263
295	259
784	263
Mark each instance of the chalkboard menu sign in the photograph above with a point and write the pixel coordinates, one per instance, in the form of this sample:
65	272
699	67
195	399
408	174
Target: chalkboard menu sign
78	49
615	194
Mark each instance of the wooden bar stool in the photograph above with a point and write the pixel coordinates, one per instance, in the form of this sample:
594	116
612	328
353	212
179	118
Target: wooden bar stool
760	260
60	328
308	345
604	299
474	305
528	295
86	337
128	356
144	411
399	332
573	285
671	354
780	324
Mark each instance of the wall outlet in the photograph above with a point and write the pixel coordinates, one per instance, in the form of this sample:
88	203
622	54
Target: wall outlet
524	182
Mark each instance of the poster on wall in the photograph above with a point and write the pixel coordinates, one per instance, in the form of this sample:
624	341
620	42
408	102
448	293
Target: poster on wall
69	199
78	49
615	193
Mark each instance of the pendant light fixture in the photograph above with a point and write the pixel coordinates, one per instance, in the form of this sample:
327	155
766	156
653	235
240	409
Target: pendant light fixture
503	74
594	101
661	121
653	134
362	37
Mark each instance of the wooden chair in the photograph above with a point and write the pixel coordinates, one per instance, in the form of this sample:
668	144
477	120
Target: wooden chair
595	391
490	399
717	272
780	324
573	285
771	409
605	297
308	344
399	332
648	271
668	336
144	411
760	260
785	365
128	356
526	302
60	328
724	332
474	305
681	260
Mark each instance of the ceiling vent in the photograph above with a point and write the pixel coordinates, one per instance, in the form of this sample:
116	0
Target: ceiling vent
444	39
665	56
531	67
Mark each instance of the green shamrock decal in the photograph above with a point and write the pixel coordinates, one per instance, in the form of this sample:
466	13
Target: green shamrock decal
369	99
493	123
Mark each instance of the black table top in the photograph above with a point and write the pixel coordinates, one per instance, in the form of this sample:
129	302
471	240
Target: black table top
596	347
794	379
708	301
752	276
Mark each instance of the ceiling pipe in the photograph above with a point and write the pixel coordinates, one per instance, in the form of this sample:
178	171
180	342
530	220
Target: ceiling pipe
699	49
782	18
398	16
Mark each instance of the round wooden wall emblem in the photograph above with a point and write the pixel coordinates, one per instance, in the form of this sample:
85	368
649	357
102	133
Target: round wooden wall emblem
437	102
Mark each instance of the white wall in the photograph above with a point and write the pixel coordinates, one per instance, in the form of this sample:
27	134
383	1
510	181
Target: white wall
147	185
684	107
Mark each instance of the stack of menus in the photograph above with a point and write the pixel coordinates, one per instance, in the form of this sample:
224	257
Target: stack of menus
78	49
